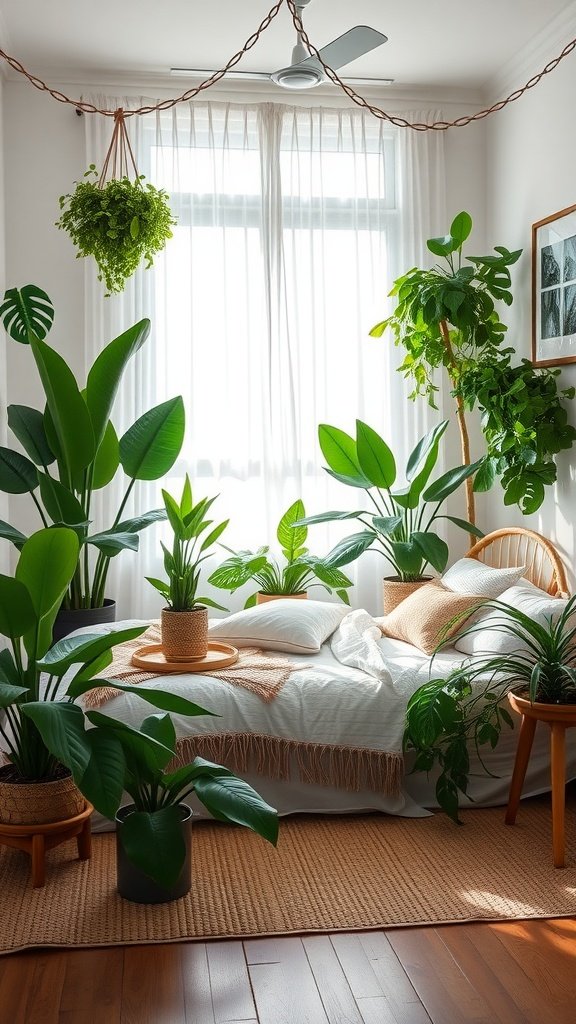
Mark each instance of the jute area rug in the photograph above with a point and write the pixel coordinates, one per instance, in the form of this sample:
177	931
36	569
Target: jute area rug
327	874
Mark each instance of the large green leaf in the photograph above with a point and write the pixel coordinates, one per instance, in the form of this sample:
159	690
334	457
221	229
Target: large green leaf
161	728
62	729
349	549
230	799
17	613
17	473
27	311
434	549
425	450
107	458
148	754
162	699
151	445
11	694
154	843
28	426
386	525
102	781
237	570
104	377
486	475
374	456
61	504
140	522
10	533
329	517
292	537
408	558
67	407
84	647
449	482
46	565
464	525
112	543
339	450
461	227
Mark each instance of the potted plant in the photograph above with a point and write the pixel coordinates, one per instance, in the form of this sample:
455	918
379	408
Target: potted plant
119	222
446	717
72	450
300	571
55	762
111	757
402	527
184	622
446	316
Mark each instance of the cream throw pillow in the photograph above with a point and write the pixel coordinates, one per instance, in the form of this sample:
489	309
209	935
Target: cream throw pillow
425	617
469	576
490	638
299	627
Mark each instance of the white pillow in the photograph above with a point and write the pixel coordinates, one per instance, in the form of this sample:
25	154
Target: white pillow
525	597
469	576
300	627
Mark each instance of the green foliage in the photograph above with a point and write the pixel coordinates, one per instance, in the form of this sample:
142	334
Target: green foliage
524	423
72	448
42	727
523	418
300	571
119	224
194	538
445	716
402	526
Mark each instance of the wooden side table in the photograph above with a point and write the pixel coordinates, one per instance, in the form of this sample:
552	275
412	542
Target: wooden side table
36	839
559	717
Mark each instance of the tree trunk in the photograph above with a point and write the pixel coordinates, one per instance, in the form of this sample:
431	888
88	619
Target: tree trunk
461	417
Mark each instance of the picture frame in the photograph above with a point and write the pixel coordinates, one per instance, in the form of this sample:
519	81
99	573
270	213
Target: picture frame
554	289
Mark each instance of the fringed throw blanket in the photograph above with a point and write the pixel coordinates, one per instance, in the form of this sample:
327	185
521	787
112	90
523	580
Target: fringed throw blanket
261	673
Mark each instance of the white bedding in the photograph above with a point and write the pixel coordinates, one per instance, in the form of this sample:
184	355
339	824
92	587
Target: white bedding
354	693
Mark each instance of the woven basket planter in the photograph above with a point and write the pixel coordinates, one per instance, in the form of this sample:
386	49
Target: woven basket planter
263	598
185	634
394	591
38	803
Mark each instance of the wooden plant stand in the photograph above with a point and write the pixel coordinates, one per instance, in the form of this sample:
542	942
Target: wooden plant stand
37	839
559	717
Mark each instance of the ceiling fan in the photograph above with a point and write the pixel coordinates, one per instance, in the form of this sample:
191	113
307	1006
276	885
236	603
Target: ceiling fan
306	71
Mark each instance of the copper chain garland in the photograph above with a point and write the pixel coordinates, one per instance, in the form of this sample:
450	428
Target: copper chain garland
400	122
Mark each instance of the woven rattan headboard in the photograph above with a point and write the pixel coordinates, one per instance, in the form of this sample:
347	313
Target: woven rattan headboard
517	546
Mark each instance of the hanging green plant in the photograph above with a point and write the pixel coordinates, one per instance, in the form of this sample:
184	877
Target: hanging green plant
114	216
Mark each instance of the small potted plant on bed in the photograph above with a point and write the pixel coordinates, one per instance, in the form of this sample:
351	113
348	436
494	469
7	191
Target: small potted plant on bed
184	622
72	451
402	527
534	662
300	571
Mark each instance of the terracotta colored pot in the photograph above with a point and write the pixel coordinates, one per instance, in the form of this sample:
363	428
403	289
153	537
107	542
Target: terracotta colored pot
38	803
550	713
263	598
185	634
395	590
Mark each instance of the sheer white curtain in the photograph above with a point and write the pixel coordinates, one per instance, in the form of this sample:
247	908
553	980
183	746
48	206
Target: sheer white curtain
292	224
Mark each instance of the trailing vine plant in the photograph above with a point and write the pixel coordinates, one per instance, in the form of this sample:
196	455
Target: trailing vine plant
115	217
447	317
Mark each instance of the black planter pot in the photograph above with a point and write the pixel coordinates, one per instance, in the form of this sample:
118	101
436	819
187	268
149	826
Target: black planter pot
133	884
69	619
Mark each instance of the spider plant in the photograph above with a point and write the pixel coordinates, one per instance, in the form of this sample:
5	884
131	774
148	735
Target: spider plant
445	717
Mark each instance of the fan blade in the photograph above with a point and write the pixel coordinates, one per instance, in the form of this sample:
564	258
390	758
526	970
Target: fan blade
346	48
252	76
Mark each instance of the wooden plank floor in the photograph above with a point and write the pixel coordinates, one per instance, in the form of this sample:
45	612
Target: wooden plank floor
523	972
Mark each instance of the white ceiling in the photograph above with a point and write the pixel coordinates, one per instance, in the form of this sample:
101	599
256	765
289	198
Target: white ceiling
447	43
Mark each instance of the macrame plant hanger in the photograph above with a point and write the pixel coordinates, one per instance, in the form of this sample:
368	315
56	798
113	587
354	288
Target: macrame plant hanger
119	161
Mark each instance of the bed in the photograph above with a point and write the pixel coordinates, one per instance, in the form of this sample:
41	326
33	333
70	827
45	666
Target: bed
331	740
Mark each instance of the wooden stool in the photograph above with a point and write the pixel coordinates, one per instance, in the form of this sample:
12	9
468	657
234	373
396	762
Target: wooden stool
559	717
36	839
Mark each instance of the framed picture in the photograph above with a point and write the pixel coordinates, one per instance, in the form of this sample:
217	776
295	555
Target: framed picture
554	289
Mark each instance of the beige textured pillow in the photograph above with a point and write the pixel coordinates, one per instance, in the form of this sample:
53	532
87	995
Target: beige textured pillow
422	618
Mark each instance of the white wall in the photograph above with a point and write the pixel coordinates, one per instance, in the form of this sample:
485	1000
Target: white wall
4	510
531	154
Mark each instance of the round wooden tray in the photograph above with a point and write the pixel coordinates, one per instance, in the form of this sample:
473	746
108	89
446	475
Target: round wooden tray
152	658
